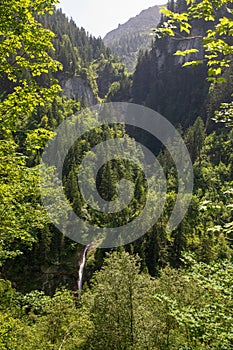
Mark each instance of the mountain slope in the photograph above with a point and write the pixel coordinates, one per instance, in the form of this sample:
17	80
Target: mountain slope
130	37
89	68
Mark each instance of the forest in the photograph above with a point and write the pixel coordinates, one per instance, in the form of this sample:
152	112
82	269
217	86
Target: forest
168	289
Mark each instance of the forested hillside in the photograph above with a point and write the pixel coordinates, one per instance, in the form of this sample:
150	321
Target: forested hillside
168	289
89	68
129	38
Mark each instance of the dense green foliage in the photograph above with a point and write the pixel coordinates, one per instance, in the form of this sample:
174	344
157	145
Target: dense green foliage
74	48
83	55
167	290
24	58
125	309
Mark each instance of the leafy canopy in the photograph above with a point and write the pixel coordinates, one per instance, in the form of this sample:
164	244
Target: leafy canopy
25	48
25	55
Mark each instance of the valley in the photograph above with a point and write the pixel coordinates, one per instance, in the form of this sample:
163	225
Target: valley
167	289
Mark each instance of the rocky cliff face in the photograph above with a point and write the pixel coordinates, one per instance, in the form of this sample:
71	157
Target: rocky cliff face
161	83
162	54
167	47
77	89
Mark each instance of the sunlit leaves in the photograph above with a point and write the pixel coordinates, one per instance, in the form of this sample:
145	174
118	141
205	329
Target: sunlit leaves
185	52
20	212
225	114
192	63
37	139
25	49
36	321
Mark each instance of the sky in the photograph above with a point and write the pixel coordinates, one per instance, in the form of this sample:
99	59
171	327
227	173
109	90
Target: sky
99	17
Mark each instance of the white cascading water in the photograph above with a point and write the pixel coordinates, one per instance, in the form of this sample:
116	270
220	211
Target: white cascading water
81	268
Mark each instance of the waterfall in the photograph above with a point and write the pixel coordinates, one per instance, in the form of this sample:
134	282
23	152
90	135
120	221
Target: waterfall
81	268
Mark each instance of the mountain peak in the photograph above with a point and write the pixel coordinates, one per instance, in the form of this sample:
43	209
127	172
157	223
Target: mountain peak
133	35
